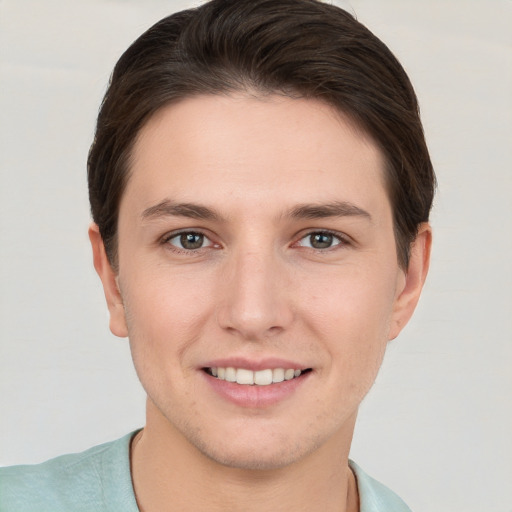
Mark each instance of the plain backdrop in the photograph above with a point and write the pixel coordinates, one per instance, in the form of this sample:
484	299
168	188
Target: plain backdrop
437	425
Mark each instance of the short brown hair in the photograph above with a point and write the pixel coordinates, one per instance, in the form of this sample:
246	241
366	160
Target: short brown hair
300	48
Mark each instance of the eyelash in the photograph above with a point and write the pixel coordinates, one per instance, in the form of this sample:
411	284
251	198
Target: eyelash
342	241
341	238
167	239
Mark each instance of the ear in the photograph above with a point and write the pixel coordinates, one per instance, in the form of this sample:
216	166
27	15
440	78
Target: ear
109	280
411	282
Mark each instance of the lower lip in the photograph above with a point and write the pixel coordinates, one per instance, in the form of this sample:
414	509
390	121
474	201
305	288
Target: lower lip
254	396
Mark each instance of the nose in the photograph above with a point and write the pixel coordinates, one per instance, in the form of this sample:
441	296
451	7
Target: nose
255	302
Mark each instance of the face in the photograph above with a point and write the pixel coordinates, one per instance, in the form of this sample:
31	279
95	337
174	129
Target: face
255	245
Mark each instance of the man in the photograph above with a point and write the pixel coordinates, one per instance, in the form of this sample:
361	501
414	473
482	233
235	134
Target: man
260	188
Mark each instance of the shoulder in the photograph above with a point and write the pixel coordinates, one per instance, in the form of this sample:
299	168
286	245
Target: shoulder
374	496
96	479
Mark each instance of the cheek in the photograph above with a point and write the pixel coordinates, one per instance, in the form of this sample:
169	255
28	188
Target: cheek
352	316
164	318
356	299
165	314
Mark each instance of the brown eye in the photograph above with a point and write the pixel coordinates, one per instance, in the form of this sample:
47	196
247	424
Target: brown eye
189	241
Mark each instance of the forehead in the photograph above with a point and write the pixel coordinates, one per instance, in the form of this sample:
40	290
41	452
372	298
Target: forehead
251	149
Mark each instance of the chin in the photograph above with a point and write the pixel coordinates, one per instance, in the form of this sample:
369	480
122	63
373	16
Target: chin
253	459
271	452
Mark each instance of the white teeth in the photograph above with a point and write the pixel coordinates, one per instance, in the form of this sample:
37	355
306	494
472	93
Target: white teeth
289	374
244	376
263	377
278	375
259	378
230	374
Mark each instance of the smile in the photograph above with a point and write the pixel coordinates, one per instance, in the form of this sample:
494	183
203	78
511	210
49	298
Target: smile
247	377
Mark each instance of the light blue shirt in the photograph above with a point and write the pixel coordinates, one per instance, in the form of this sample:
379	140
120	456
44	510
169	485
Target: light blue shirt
99	480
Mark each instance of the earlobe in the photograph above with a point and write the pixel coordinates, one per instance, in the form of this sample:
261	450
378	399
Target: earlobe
109	281
410	290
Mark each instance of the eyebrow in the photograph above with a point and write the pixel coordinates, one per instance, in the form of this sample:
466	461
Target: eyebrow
322	211
168	208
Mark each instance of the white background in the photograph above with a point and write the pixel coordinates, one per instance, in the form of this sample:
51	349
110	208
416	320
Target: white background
437	426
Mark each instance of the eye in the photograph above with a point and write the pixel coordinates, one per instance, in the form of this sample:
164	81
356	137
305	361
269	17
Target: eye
189	241
320	240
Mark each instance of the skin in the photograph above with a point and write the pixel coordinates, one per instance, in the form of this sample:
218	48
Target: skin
255	288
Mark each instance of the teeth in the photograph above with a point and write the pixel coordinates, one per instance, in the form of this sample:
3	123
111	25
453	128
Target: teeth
263	377
289	374
278	375
244	376
259	378
231	374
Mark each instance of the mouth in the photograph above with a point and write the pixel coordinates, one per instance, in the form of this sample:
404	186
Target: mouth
246	377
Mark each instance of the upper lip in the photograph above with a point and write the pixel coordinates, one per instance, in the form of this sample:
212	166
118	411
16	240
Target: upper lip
255	364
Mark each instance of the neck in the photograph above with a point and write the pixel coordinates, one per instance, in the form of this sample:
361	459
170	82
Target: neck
169	474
